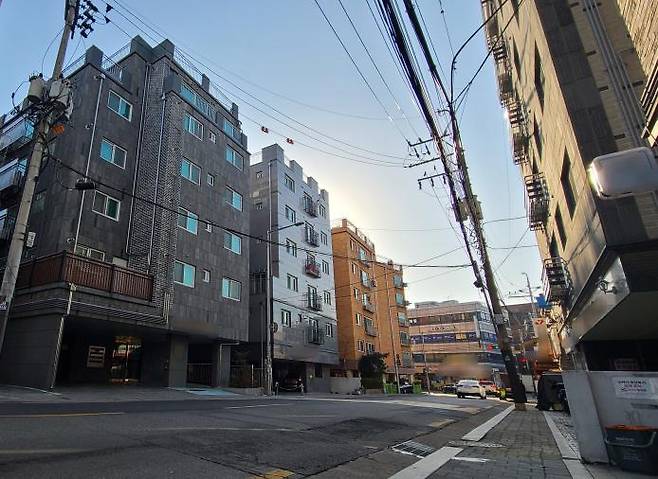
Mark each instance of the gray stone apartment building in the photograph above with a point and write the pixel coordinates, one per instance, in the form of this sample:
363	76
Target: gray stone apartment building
303	291
571	80
135	280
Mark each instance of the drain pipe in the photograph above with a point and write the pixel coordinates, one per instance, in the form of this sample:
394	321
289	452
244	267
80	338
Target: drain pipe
147	80
100	77
60	333
157	178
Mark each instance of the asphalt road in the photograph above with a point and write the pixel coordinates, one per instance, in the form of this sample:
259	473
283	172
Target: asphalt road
287	436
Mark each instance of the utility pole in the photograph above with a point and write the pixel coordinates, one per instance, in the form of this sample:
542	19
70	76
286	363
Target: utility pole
43	128
390	326
462	177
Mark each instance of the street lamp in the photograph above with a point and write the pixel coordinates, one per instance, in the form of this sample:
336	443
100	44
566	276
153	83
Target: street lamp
268	299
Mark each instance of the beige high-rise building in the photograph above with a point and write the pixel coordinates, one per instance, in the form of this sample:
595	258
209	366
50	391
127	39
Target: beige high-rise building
576	83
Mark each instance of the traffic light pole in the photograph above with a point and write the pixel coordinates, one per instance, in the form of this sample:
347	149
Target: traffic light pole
20	228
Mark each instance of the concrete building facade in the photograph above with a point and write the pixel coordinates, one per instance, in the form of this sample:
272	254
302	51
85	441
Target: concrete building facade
305	343
452	341
135	280
571	80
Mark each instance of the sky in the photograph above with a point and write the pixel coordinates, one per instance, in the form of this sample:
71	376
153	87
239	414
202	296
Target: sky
285	55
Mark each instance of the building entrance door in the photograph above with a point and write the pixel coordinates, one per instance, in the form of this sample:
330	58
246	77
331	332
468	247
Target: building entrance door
126	359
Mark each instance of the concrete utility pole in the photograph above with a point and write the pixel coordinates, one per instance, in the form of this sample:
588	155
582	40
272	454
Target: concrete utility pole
18	238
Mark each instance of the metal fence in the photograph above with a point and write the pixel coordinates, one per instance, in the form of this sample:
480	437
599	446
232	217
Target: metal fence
199	373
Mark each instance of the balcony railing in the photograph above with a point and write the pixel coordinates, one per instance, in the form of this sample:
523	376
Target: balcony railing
17	135
7	222
515	113
557	280
500	52
312	268
407	361
371	329
311	207
70	268
368	306
506	87
405	341
312	237
403	322
11	176
367	282
313	301
538	201
314	335
520	147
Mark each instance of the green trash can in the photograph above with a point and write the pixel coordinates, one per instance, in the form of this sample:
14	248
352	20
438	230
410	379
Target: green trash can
633	448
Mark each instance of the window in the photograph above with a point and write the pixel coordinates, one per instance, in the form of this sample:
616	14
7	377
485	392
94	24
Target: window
325	267
190	171
567	184
286	317
119	105
187	220
352	245
289	182
291	247
360	345
106	205
329	330
197	101
258	205
88	252
322	210
291	215
233	198
327	297
293	283
234	158
231	289
517	61
212	137
232	242
184	274
560	228
210	179
113	154
231	130
399	299
206	276
324	238
539	78
354	268
192	125
357	319
537	136
357	293
370	348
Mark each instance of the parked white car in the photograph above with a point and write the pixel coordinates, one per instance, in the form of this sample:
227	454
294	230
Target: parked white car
471	387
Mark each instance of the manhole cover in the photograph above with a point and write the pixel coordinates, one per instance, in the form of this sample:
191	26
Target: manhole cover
474	444
413	448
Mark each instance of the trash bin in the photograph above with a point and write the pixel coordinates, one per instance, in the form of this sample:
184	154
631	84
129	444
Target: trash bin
633	448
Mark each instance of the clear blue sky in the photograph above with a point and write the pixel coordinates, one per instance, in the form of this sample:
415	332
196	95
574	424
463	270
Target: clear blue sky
287	47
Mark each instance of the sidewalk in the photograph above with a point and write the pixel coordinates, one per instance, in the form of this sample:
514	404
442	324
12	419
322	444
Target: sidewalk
523	446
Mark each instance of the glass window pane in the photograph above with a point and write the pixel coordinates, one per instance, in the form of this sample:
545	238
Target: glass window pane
112	208
106	150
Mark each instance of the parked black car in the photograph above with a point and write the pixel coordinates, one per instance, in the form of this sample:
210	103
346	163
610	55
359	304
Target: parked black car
449	389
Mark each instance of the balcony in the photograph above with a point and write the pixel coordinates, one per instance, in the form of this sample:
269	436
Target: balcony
506	87
370	328
11	177
312	237
17	135
66	267
398	283
538	201
405	341
557	280
367	282
7	222
407	360
368	306
363	257
310	207
500	52
515	113
314	335
312	301
520	147
312	268
403	322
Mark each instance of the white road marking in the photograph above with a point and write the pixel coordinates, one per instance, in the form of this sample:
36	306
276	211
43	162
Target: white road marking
470	459
72	414
480	431
400	402
426	466
219	428
562	444
258	405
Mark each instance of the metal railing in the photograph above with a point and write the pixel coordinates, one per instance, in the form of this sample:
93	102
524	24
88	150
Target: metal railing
7	222
314	335
312	237
310	207
557	280
312	301
368	306
71	268
17	135
11	175
371	329
538	200
312	268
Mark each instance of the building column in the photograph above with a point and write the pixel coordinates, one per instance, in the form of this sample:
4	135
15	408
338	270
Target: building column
177	367
221	364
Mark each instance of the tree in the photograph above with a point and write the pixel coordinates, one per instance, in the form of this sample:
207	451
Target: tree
372	365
